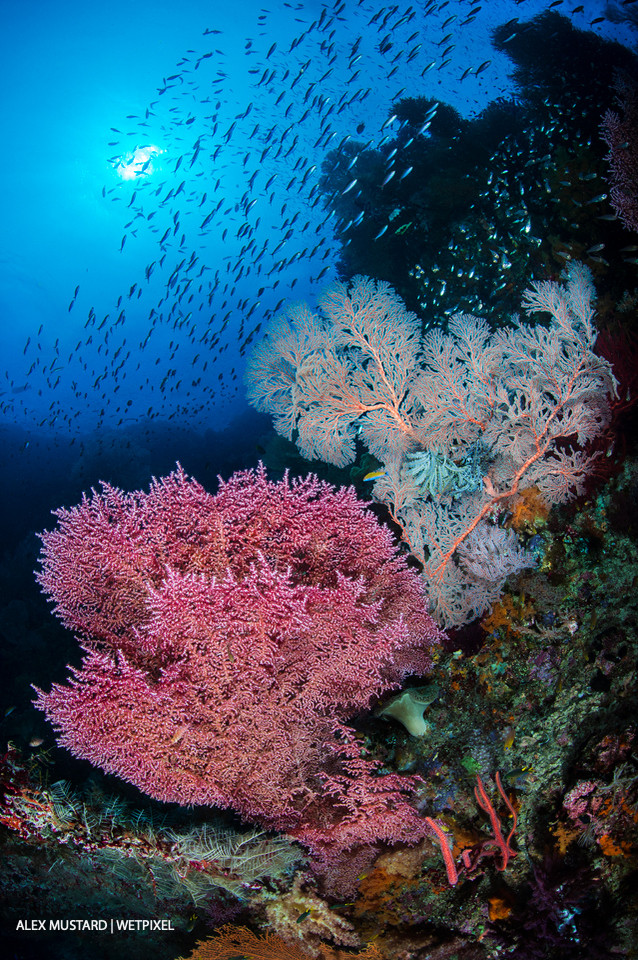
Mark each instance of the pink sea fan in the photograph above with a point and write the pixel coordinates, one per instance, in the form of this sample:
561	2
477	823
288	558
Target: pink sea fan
227	640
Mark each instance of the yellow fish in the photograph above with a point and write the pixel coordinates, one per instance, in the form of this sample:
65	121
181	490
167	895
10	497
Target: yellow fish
375	474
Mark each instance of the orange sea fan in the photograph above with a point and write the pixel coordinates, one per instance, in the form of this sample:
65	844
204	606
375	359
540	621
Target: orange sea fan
231	942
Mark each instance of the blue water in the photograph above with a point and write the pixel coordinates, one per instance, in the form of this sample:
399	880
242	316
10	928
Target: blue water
155	330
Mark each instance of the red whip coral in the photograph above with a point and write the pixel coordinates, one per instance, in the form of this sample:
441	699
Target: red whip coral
227	640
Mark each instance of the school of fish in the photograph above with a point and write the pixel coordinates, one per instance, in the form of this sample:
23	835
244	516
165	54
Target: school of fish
220	180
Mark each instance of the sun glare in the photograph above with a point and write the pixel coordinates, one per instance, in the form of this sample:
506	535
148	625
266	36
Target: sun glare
137	163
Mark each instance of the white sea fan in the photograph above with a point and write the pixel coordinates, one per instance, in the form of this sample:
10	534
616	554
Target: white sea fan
462	419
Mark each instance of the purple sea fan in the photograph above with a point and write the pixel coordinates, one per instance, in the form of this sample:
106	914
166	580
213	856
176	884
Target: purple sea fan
228	639
493	554
620	133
